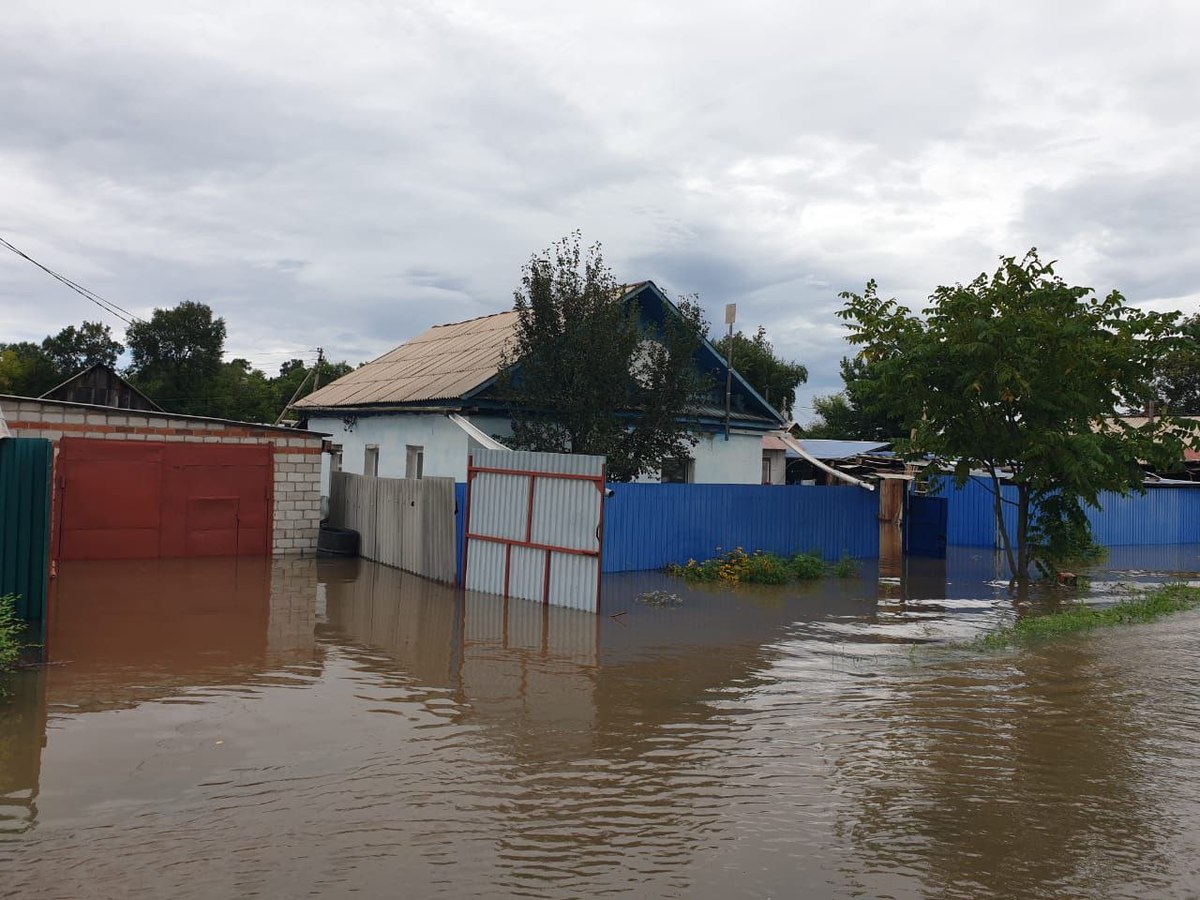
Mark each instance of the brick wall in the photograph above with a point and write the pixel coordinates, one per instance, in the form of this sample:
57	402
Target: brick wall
297	454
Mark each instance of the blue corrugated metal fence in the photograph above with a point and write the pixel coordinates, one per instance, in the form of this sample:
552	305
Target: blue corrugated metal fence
1160	516
647	526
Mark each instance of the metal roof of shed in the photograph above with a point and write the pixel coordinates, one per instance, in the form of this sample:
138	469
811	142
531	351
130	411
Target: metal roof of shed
823	449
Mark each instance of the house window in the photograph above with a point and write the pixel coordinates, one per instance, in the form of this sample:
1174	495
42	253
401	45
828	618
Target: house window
371	460
335	458
414	461
766	469
678	471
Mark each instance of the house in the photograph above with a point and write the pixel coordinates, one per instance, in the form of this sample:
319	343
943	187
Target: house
100	385
421	408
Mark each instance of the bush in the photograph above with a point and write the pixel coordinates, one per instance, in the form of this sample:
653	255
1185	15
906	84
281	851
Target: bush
737	567
11	631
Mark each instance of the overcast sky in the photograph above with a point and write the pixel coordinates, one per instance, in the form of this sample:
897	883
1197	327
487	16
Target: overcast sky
346	174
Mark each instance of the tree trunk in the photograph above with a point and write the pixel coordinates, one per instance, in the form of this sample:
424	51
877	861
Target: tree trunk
1005	541
1023	548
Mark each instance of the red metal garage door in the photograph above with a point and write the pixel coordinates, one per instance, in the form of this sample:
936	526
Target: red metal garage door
134	500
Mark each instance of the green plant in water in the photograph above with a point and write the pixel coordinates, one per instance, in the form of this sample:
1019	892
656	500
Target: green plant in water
11	631
1146	607
738	567
845	567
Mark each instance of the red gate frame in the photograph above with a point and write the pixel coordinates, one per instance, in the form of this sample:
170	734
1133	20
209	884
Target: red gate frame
509	543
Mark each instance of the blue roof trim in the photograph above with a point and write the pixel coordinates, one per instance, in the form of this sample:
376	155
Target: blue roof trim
707	347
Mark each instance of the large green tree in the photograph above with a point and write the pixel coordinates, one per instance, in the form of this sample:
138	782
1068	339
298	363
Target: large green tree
754	358
176	357
1022	375
26	370
74	349
585	374
851	413
1178	378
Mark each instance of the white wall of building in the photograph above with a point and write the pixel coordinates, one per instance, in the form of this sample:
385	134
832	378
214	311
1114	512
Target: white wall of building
446	446
736	461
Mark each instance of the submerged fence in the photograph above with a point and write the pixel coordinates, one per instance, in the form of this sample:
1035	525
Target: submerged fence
647	526
403	522
1162	515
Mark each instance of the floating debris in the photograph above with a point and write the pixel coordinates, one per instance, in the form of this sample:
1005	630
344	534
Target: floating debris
660	598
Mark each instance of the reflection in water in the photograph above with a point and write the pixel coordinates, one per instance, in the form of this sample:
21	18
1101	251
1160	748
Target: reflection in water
230	728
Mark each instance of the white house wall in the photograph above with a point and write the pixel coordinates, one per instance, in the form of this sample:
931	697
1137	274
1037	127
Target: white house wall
716	461
736	461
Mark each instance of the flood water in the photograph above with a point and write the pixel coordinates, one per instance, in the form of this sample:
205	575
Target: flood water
302	728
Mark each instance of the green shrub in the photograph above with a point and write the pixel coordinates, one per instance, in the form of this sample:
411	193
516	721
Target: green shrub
737	567
845	567
11	631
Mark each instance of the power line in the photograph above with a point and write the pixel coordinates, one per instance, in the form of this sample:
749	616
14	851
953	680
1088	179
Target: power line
111	308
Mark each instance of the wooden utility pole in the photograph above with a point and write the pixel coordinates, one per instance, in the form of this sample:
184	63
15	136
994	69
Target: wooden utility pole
730	316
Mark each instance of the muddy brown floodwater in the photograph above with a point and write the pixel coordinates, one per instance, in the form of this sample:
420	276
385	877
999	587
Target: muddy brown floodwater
296	728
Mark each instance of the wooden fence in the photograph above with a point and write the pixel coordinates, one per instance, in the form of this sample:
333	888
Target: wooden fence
407	523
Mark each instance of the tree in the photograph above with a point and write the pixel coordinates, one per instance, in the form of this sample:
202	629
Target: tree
26	371
74	349
1178	379
584	373
850	413
1024	375
755	360
176	356
295	372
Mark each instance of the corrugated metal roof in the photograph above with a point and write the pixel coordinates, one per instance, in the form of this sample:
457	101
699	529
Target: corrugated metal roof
823	449
443	363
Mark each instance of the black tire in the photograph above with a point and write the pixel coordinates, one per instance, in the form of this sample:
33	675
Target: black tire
333	541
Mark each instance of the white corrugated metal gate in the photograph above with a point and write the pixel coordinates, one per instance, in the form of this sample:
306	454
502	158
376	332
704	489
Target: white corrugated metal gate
535	525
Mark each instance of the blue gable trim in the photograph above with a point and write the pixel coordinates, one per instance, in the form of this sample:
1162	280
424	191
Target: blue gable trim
654	307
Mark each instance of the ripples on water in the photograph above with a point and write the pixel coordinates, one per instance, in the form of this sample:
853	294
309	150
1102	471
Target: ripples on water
283	730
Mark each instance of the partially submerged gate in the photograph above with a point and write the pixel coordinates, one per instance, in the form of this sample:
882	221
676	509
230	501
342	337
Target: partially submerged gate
143	500
535	526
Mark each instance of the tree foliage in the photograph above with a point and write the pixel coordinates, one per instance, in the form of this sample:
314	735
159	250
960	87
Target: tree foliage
1021	374
176	356
74	349
26	370
852	414
755	360
177	362
585	374
1178	378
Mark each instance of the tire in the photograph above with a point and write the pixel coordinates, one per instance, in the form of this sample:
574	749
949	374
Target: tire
333	541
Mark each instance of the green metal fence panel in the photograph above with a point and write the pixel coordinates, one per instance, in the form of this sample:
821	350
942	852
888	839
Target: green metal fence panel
25	473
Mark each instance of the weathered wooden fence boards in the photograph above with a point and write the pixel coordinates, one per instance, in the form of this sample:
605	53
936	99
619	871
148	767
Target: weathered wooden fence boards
407	523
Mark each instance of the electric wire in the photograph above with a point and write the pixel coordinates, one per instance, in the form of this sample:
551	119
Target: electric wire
108	306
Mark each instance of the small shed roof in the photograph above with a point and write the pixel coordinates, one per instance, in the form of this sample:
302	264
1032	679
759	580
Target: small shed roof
824	449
